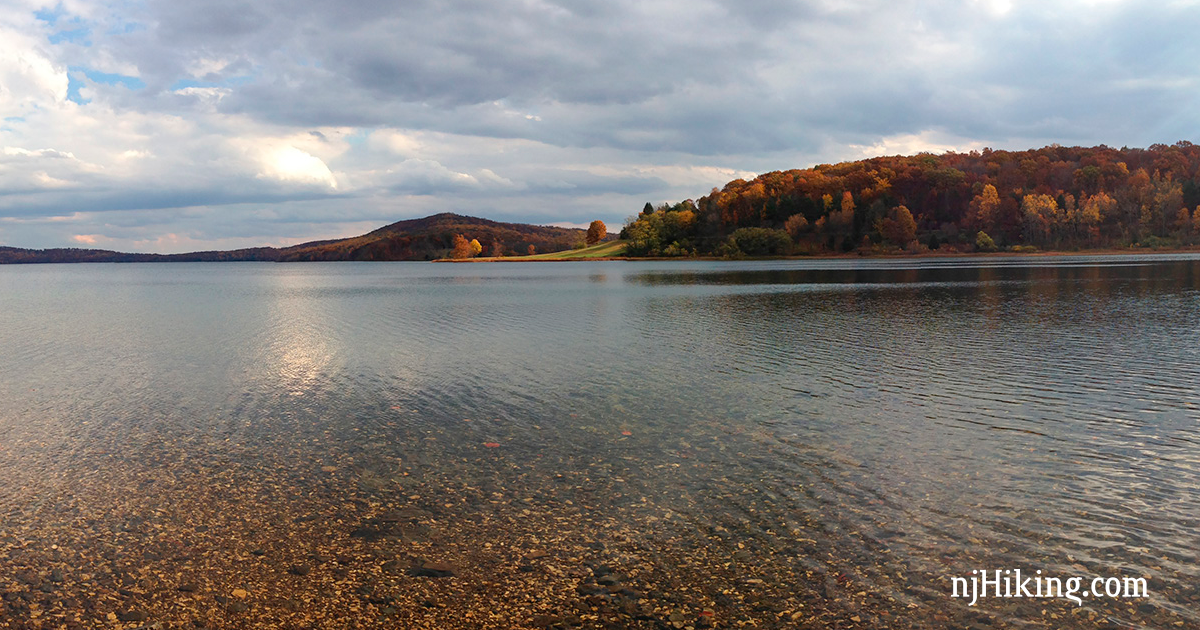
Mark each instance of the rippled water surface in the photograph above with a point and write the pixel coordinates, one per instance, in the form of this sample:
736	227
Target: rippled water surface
857	430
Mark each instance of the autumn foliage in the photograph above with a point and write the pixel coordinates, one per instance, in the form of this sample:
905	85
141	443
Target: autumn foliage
596	232
435	237
1051	198
461	247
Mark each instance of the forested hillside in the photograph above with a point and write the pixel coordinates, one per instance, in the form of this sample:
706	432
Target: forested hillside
426	238
433	237
1054	198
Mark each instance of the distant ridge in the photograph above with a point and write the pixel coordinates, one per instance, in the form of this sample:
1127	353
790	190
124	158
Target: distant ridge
427	238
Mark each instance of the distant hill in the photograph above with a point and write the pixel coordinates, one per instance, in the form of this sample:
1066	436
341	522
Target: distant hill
427	238
431	237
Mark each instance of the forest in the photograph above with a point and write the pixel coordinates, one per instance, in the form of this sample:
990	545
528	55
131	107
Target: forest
1055	198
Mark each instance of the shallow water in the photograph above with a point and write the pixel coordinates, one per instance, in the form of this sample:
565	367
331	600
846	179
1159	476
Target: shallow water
853	432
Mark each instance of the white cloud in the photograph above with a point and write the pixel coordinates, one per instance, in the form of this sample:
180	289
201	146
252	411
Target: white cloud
396	141
291	164
28	77
208	95
45	180
38	153
927	141
998	8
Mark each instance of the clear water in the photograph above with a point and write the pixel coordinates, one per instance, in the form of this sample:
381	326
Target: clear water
886	424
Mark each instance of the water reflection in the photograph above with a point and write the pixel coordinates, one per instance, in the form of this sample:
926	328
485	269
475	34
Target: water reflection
878	423
299	348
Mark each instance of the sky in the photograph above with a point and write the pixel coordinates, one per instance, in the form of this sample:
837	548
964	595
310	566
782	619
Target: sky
183	125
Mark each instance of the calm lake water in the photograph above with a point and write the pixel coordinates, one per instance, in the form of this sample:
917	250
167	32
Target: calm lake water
851	433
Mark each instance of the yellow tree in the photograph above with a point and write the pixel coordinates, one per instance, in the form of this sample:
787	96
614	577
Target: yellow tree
985	206
1093	211
476	247
1040	214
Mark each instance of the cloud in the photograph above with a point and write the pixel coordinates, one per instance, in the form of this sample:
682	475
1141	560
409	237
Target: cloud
28	75
290	164
927	141
568	224
37	153
223	122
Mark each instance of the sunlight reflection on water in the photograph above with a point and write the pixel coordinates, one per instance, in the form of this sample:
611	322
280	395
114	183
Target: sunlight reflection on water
930	417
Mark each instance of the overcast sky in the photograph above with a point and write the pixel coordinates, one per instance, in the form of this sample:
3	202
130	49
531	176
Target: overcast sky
177	125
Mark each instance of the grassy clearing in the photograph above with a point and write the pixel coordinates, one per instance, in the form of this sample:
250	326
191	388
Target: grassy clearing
601	250
611	249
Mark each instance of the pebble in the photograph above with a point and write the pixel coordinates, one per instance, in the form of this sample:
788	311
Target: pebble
434	569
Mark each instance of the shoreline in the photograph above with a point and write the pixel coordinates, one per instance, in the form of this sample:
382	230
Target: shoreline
838	256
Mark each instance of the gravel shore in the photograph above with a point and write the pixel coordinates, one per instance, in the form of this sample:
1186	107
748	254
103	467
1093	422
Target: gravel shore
424	528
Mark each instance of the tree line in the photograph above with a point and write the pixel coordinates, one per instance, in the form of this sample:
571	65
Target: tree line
1053	198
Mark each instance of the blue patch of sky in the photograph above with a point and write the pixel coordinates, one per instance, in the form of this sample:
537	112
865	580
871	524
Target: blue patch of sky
357	138
50	16
74	83
110	78
74	36
72	29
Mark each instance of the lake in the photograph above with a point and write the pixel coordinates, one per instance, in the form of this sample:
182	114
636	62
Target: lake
803	443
